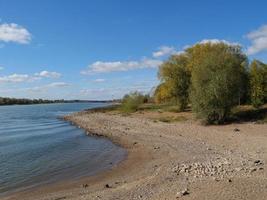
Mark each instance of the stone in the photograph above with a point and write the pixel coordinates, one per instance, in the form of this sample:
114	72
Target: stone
253	170
182	193
236	130
85	185
107	186
238	169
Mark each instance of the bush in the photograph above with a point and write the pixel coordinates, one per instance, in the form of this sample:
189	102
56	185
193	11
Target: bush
132	101
217	79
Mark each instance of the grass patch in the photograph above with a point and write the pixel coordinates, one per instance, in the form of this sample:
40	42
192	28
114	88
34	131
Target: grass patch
159	107
109	108
249	114
172	119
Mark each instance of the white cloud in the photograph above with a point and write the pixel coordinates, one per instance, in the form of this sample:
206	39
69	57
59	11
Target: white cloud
258	40
216	41
164	51
18	78
47	74
99	80
48	86
14	33
58	84
105	67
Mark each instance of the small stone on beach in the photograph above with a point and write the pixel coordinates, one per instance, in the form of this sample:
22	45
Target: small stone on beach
182	193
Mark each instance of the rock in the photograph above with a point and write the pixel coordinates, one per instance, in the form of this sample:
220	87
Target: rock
85	185
107	186
258	162
230	180
236	130
253	170
182	193
238	169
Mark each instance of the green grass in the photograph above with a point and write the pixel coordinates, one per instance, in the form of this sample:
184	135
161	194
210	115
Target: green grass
113	107
170	119
159	107
249	114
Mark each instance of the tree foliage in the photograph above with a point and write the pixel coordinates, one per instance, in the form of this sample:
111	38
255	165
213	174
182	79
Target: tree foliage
217	79
213	77
175	78
258	83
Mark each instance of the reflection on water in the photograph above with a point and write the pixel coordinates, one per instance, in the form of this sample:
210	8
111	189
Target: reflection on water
37	148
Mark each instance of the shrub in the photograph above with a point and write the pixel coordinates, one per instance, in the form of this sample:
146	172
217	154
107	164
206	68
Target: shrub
132	101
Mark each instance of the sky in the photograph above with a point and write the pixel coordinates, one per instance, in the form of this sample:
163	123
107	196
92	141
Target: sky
102	49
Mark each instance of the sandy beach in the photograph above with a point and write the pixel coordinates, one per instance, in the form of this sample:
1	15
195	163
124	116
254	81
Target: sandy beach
181	160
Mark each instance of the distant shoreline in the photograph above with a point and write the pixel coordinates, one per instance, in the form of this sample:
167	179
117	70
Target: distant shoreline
58	101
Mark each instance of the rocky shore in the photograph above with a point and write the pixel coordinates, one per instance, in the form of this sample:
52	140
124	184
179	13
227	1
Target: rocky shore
182	160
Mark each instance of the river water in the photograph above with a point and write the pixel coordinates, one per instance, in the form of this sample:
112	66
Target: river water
37	148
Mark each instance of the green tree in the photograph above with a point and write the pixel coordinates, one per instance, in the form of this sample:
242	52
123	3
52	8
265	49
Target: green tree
258	83
175	81
217	79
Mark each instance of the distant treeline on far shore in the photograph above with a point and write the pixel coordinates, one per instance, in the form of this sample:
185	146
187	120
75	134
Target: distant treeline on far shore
15	101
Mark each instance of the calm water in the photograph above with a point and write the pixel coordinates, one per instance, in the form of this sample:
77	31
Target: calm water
37	148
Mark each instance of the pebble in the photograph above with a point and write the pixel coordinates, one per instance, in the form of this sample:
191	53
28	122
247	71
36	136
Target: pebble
182	193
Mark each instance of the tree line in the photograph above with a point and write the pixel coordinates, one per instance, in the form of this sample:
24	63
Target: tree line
14	101
212	78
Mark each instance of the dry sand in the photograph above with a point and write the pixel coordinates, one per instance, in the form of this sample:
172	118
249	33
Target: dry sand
182	160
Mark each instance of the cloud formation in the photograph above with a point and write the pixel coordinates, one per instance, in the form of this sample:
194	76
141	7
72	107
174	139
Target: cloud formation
18	78
216	41
164	51
105	67
99	80
14	33
258	40
48	86
47	74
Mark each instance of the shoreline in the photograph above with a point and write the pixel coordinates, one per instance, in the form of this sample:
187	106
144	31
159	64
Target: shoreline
165	159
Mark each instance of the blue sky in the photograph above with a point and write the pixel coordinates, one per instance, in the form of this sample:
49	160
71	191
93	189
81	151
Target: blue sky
96	49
